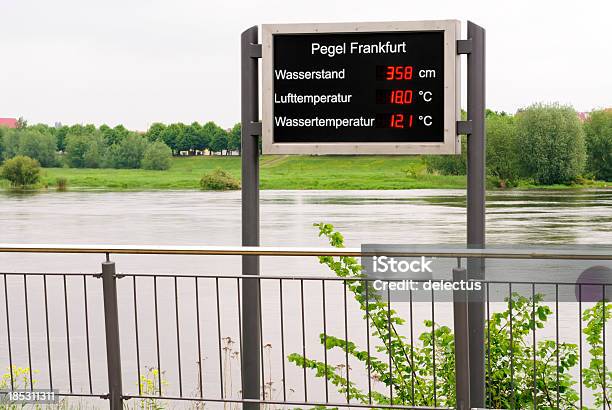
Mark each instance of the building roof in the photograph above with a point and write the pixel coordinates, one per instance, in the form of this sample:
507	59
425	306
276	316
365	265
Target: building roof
8	122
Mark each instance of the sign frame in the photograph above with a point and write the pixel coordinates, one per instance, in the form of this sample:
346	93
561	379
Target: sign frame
452	88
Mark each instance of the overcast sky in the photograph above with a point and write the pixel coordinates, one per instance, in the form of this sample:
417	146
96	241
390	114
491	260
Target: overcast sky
135	62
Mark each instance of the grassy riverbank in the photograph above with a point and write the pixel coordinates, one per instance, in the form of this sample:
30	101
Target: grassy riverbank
276	172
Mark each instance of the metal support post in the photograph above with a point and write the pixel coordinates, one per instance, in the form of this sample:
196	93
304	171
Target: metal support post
111	324
476	207
251	343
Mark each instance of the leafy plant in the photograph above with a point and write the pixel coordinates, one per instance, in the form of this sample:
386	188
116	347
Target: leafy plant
519	375
219	180
21	171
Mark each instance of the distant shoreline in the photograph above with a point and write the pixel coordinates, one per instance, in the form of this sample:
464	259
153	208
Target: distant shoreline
278	172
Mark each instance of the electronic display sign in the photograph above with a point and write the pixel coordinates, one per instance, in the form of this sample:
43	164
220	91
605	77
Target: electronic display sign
361	88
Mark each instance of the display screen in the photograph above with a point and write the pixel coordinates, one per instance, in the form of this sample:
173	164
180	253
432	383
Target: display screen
358	87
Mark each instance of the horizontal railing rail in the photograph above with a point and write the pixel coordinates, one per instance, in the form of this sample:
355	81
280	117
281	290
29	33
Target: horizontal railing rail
492	253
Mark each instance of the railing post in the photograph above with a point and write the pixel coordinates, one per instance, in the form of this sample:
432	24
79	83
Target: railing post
111	324
462	360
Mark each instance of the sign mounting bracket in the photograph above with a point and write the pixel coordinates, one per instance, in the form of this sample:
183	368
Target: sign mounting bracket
255	50
464	127
464	46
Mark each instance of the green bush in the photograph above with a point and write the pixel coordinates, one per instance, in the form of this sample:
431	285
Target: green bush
157	156
84	150
448	164
21	171
128	153
219	180
550	143
598	133
502	162
39	146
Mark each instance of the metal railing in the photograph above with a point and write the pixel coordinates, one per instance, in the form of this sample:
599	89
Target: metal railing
127	337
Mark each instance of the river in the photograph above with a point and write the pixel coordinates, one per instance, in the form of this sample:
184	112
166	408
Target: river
213	218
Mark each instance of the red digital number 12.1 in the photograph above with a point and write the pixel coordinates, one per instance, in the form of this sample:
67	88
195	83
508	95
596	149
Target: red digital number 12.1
400	121
399	72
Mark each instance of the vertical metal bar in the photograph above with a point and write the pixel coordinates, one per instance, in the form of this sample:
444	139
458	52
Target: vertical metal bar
159	371
580	340
557	338
603	339
178	335
476	206
433	346
136	334
512	398
8	333
282	335
367	297
346	354
87	333
462	365
261	345
303	338
533	319
27	318
390	344
111	325
219	338
67	333
197	296
250	218
413	370
489	342
47	331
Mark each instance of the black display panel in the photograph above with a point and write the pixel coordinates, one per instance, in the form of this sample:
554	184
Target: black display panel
358	87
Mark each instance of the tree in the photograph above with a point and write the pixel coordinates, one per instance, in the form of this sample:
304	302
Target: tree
21	171
22	123
128	153
171	136
39	146
60	135
234	138
501	149
3	131
85	151
598	132
551	143
155	131
10	143
157	156
216	135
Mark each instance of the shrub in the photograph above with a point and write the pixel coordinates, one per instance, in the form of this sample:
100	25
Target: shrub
84	150
502	150
598	133
39	146
62	184
551	144
448	164
21	171
128	153
157	156
219	180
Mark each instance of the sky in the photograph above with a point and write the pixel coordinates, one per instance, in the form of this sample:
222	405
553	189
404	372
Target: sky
135	62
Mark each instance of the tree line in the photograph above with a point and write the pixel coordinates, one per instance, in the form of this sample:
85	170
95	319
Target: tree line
543	144
88	146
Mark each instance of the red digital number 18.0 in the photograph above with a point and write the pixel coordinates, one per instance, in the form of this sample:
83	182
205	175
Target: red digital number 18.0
399	72
401	97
